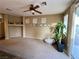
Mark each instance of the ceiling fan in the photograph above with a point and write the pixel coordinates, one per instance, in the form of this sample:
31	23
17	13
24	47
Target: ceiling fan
33	9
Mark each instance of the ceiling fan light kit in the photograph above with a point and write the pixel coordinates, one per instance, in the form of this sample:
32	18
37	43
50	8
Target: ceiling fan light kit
32	11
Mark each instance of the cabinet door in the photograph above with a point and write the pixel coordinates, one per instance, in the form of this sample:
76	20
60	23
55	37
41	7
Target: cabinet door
15	32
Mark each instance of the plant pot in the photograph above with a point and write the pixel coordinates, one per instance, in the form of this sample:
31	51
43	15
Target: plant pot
60	47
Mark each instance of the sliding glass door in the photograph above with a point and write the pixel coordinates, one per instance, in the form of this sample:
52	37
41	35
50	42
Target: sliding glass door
75	48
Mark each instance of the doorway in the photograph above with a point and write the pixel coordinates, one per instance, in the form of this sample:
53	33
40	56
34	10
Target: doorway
2	34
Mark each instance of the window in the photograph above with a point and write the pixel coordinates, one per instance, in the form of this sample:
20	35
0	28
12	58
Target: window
65	23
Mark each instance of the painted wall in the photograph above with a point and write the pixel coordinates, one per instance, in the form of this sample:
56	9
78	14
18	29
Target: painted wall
29	30
40	32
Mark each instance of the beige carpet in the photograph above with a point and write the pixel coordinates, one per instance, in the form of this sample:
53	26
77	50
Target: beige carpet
31	49
4	55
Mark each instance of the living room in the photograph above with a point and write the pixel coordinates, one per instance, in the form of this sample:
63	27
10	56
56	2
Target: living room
27	22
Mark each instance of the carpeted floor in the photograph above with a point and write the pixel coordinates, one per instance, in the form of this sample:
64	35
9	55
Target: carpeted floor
30	49
4	55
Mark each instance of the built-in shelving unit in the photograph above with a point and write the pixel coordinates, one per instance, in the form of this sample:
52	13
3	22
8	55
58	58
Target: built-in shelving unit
14	26
15	21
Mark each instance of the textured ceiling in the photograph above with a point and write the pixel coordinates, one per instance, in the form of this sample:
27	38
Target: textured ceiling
18	6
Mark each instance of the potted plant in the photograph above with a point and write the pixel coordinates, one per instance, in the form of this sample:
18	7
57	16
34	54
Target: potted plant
58	35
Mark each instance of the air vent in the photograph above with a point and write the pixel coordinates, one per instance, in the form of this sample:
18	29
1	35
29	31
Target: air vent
8	9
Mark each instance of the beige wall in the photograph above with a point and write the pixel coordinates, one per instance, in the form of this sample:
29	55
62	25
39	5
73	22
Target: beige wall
38	32
30	31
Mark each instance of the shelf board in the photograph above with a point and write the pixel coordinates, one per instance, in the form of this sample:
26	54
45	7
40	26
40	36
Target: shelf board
15	24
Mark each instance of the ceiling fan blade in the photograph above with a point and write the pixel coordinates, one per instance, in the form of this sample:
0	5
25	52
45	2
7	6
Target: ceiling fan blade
26	10
37	6
38	11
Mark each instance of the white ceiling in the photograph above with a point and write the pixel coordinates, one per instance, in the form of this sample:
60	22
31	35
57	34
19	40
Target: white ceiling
18	6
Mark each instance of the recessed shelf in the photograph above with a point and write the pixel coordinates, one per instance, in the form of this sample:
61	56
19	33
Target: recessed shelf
15	24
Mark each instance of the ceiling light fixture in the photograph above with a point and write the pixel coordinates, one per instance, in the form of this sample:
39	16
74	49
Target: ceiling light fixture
32	12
